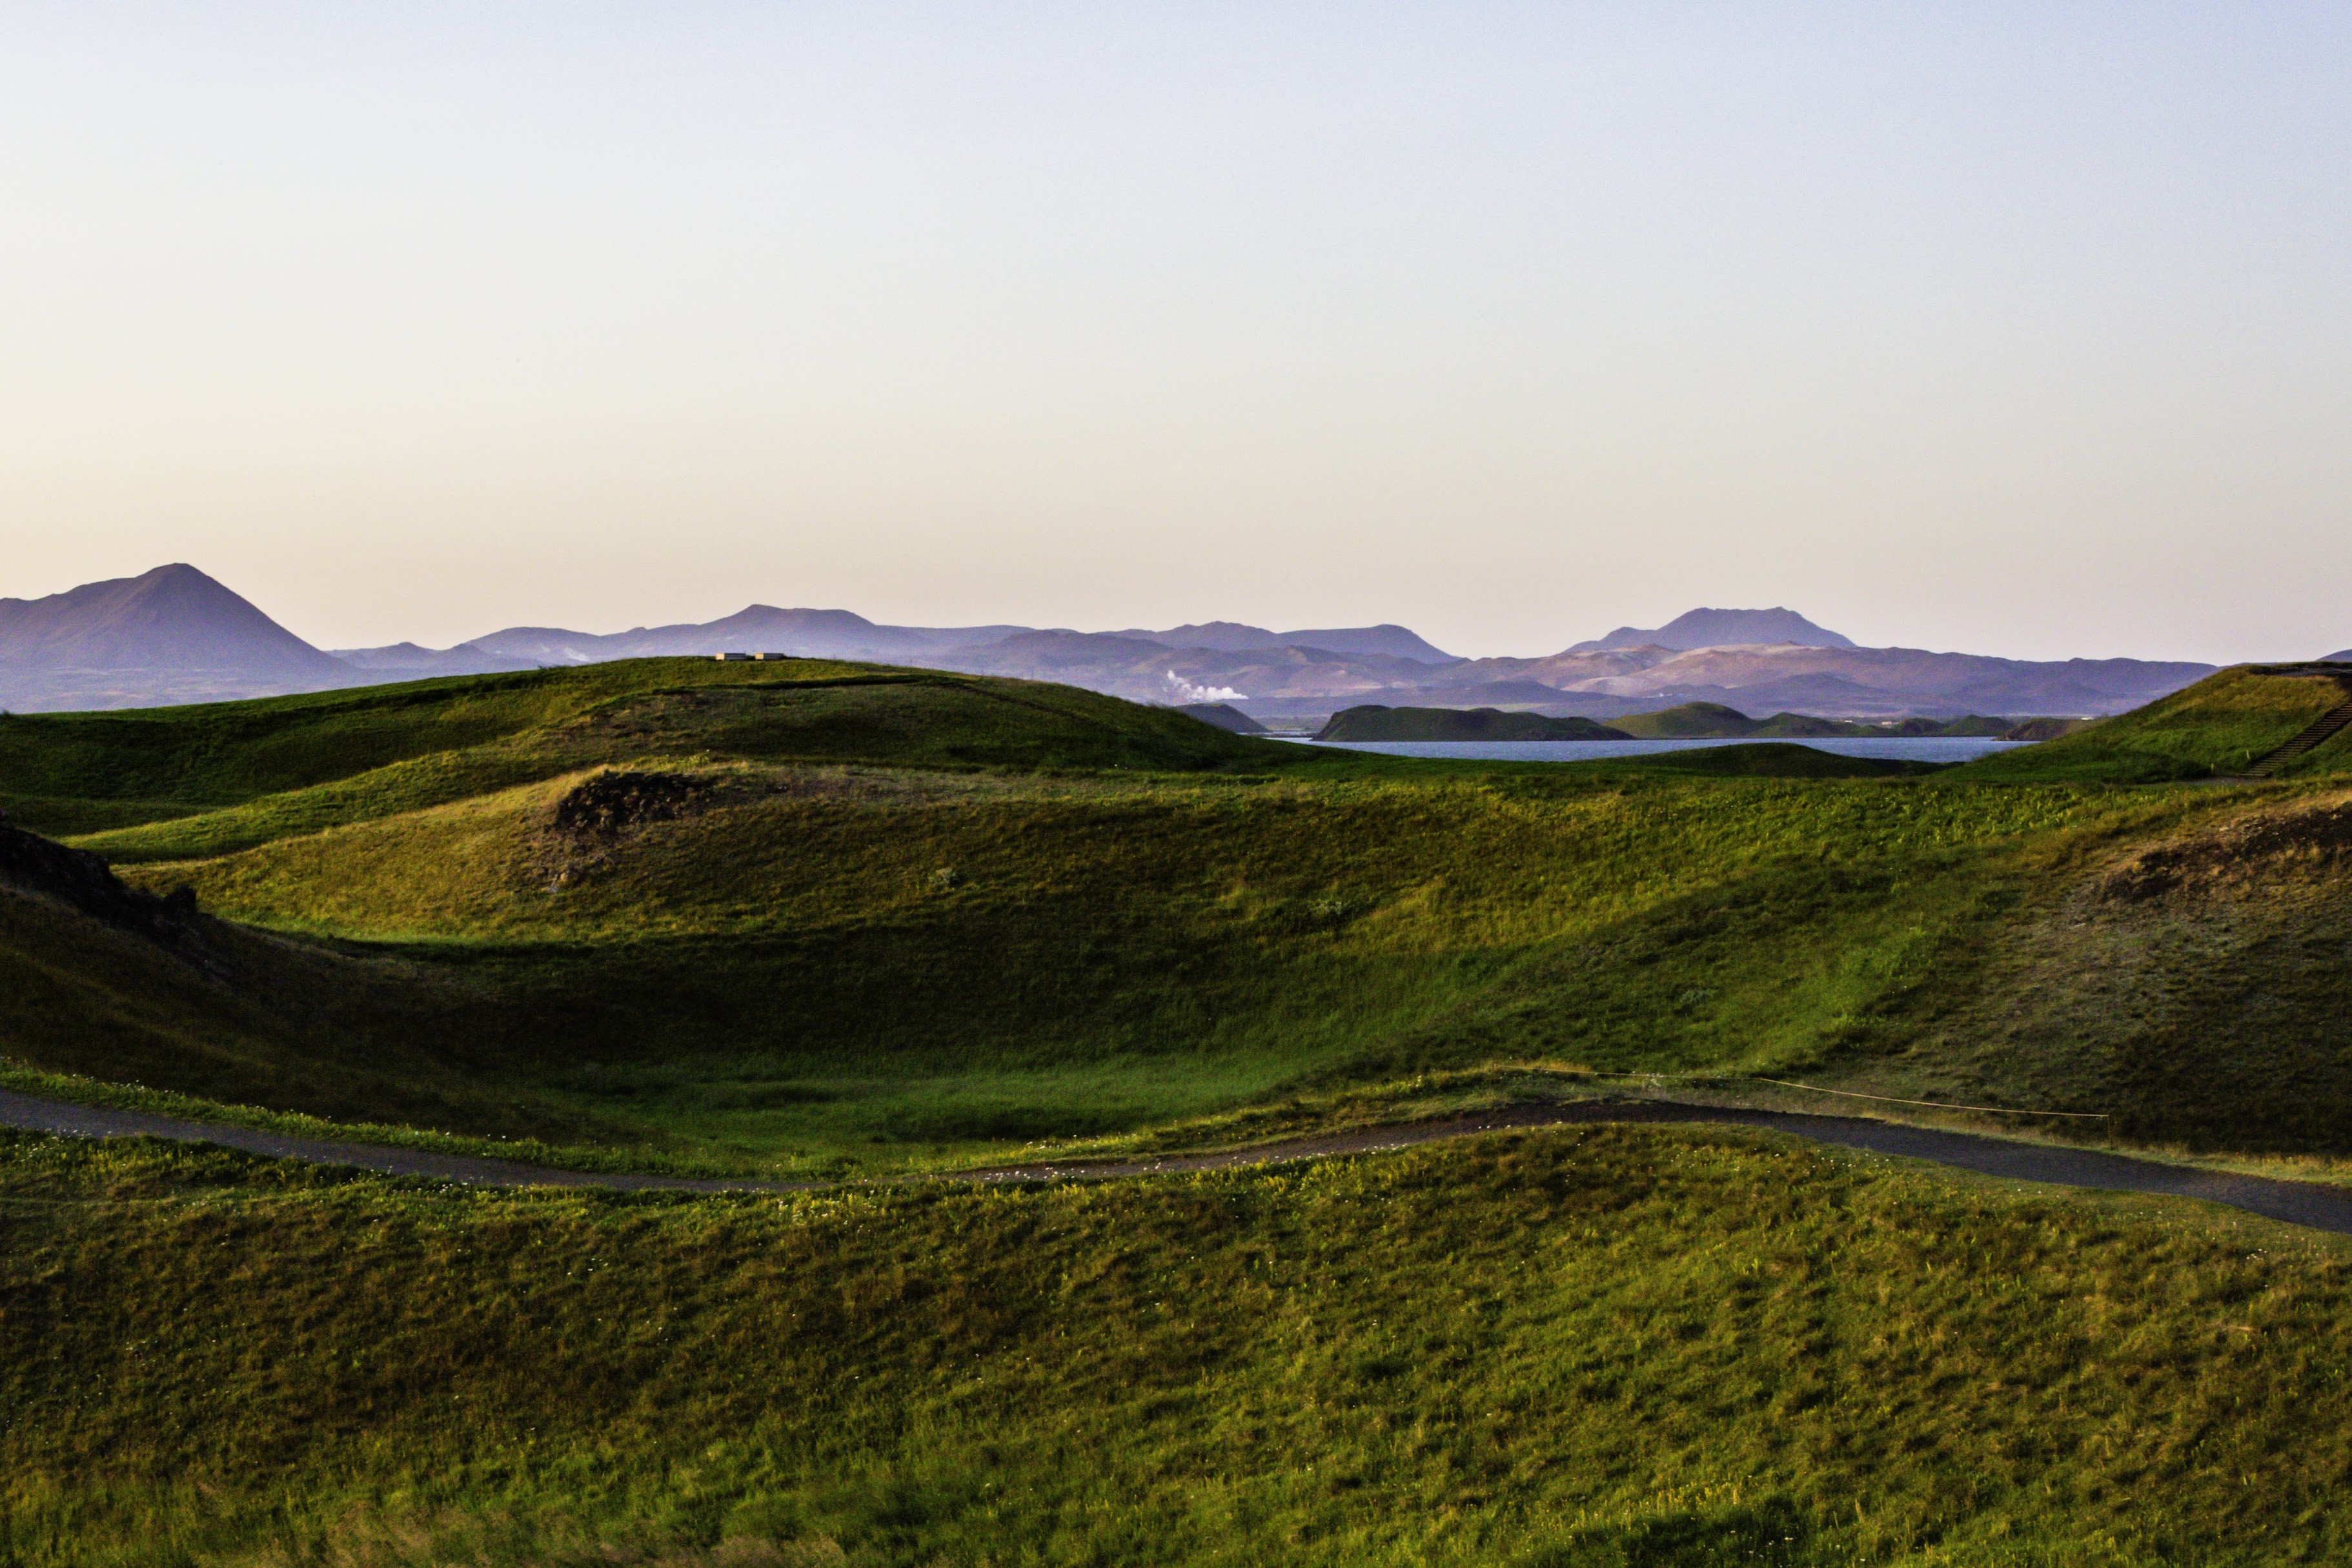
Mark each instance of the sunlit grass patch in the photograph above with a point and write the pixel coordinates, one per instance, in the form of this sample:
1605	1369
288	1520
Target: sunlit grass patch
1569	1347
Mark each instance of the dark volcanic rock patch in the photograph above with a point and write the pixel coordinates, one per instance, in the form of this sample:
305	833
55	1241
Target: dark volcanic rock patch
598	816
610	802
83	882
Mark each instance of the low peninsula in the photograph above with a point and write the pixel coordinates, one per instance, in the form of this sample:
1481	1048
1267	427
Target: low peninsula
1373	722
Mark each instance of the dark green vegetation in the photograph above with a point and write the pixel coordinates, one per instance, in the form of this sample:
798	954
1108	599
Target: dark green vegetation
818	918
1583	1350
1224	715
1771	759
1373	722
1698	721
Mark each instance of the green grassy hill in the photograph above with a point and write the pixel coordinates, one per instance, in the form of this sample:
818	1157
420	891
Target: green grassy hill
2221	725
806	960
1584	1349
1763	760
827	921
2046	728
397	747
2182	969
351	1034
824	918
1688	721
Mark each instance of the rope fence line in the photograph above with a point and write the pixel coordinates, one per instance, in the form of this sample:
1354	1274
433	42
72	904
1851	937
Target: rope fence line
1658	1080
1934	1105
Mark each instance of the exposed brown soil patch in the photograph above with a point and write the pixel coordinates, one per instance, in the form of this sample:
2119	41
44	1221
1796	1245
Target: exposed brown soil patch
2238	855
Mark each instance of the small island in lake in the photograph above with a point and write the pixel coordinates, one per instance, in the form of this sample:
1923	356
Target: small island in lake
1373	722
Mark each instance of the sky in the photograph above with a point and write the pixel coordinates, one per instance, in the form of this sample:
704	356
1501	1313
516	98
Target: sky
2009	329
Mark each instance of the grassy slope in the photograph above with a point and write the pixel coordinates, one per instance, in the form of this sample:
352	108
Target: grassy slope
1609	1346
339	1035
791	971
1606	1347
2221	724
1761	760
2186	971
368	1035
232	774
1686	720
848	962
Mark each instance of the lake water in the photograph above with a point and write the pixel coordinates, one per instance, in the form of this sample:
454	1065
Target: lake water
1911	747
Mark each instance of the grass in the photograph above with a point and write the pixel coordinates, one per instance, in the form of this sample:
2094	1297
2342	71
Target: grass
2222	723
398	747
1602	1346
2187	972
897	921
787	977
871	922
348	1037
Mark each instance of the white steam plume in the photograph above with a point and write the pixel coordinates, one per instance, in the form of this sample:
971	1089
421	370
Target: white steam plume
1185	691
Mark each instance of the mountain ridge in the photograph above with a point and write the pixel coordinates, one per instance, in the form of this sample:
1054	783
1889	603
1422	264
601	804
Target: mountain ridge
171	634
172	614
1722	629
1387	640
176	635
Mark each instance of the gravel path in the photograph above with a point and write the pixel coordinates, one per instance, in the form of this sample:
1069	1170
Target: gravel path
30	1113
2307	1204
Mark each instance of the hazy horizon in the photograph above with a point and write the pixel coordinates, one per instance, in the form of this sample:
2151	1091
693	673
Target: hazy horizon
2007	330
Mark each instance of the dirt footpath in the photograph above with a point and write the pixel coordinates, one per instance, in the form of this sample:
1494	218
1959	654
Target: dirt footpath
2307	1204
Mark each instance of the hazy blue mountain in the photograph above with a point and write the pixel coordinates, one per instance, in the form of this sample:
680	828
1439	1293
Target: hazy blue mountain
842	634
1873	683
756	628
1721	629
176	636
544	645
1049	655
171	634
174	616
1217	636
408	660
1387	641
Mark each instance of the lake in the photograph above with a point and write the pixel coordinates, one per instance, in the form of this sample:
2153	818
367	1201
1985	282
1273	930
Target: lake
1910	747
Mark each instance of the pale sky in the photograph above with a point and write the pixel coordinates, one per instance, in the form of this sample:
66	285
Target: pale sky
2018	329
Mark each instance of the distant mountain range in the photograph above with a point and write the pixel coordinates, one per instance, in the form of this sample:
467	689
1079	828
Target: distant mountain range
1720	629
1383	641
175	635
